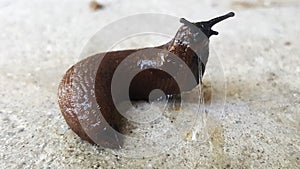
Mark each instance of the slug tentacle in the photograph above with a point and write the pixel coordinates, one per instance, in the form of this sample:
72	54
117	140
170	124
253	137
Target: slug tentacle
207	25
216	20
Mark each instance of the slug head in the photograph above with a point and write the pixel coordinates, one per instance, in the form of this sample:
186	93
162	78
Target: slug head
206	26
196	36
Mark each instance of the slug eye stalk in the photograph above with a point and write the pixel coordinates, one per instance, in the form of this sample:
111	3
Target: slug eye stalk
206	26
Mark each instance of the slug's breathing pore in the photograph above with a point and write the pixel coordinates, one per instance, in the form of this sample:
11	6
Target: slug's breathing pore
86	89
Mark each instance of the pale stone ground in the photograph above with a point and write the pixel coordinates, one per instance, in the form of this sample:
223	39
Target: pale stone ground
259	51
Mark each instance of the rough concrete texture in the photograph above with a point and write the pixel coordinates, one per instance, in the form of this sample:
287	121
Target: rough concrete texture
258	127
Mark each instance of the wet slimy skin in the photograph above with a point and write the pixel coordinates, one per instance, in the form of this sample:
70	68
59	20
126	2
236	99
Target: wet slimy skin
85	89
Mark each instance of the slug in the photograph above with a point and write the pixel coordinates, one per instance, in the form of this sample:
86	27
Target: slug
85	89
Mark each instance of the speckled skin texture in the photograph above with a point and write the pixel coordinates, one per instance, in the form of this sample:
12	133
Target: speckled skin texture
258	127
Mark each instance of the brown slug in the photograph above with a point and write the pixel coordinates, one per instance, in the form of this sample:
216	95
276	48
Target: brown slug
86	89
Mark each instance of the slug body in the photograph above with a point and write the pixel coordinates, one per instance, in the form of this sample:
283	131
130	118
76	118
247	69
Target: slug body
86	87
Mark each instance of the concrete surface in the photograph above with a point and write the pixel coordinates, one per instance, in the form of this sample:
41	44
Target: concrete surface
258	127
